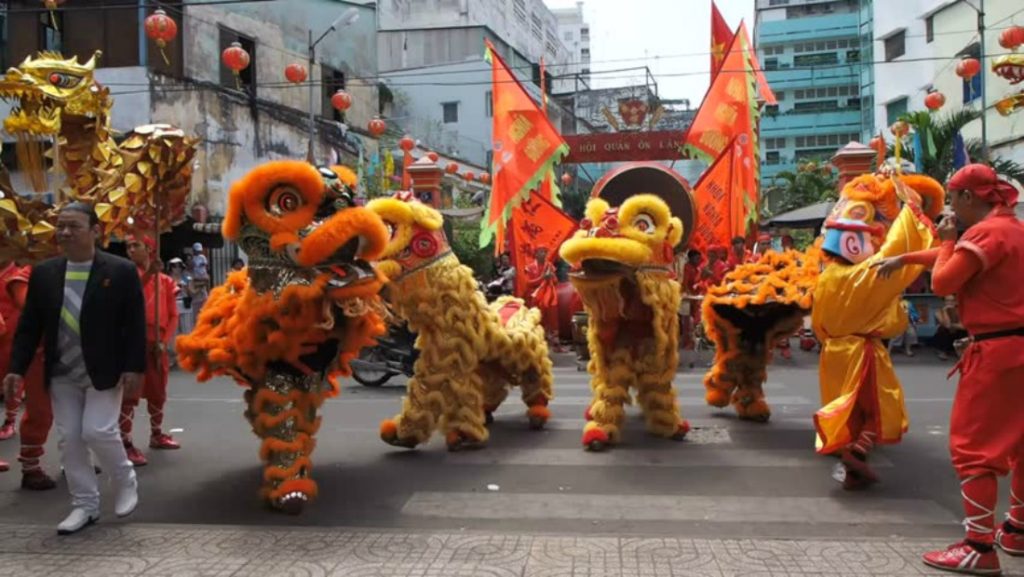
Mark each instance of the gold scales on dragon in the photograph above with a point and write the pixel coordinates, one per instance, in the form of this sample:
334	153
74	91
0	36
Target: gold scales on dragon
61	117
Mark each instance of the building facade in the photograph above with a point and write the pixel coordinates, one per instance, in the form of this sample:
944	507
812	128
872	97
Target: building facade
575	34
241	121
811	53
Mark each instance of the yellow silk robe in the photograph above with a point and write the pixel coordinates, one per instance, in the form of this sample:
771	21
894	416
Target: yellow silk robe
853	311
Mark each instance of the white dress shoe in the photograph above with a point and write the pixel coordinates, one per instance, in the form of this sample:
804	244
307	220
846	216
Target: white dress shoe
78	519
127	498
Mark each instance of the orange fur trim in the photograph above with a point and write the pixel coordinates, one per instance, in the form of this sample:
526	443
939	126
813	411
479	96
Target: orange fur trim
595	433
340	229
539	411
248	196
868	188
273	473
933	195
346	175
388	429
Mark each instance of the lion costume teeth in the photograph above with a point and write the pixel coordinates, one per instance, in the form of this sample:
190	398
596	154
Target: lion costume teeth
287	326
471	352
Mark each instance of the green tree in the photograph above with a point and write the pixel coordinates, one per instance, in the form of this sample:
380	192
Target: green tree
812	182
937	133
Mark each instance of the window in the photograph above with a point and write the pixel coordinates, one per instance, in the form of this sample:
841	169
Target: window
972	88
895	109
451	112
895	45
771	157
771	109
780	96
584	34
771	63
815	106
333	81
820	59
247	77
853	55
489	104
929	29
778	2
585	72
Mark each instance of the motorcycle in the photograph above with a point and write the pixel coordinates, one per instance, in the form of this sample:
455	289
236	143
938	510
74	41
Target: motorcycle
393	355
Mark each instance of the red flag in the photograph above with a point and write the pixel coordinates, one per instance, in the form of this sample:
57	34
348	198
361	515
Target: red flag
525	146
721	38
713	197
537	223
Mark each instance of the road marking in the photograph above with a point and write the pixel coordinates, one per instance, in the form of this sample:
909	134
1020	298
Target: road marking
675	454
708	508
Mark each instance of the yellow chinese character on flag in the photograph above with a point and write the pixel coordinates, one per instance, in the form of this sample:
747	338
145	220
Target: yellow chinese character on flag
725	114
520	127
536	147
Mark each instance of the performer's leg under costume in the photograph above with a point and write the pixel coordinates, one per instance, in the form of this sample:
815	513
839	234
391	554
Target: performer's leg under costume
421	407
34	429
611	384
464	417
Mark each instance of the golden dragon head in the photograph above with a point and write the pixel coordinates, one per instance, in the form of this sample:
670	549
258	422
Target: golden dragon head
639	215
289	215
416	234
48	89
1010	67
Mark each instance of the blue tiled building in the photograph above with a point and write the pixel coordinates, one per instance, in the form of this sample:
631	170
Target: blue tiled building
811	52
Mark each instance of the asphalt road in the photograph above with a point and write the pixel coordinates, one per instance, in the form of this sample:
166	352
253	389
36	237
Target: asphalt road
729	479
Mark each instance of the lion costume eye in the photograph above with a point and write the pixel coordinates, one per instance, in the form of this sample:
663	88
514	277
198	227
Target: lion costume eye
63	80
283	200
644	223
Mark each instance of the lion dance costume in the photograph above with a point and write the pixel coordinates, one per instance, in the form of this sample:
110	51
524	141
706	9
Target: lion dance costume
621	259
290	322
471	353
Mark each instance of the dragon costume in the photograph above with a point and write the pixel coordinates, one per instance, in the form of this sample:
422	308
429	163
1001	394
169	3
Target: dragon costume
471	352
621	259
1010	67
140	184
290	322
759	303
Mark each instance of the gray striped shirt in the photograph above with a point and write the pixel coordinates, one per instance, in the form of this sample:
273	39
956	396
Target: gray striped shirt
71	362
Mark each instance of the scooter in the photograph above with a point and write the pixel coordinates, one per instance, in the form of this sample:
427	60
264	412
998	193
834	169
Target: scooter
393	355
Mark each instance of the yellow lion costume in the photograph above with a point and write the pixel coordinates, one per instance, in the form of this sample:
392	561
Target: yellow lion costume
287	325
621	259
759	303
470	352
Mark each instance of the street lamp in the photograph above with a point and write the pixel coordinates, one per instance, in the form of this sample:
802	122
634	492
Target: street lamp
347	18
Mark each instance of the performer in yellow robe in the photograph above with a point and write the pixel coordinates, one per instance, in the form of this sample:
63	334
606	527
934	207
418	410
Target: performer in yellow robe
854	310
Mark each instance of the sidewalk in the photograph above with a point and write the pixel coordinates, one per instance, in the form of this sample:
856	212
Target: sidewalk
113	549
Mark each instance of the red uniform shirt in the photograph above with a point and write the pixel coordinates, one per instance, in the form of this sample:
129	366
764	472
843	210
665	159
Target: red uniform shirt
10	275
993	299
691	279
168	306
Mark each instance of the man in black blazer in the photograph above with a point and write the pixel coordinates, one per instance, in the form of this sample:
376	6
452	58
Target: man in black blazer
88	310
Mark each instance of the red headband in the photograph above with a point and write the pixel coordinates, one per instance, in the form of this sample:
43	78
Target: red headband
983	181
150	243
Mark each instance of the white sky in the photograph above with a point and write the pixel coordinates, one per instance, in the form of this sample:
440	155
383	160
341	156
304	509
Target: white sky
657	33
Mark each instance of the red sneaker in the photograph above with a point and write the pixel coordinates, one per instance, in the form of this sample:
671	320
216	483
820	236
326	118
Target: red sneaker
163	441
135	456
963	558
37	480
7	431
1010	543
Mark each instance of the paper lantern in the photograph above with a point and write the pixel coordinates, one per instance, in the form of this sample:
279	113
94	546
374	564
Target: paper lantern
968	68
900	128
377	127
934	100
433	156
342	101
406	143
566	179
161	29
451	168
485	178
1012	37
237	59
469	176
295	73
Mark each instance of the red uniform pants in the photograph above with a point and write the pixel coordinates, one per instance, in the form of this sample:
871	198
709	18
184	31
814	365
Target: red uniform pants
38	416
986	432
154	390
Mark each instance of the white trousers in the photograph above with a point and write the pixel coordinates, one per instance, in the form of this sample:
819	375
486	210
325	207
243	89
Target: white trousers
86	420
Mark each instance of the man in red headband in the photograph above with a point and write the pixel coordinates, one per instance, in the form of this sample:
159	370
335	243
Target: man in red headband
986	431
714	271
141	251
38	417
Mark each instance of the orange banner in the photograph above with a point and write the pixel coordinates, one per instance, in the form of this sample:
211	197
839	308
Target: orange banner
537	223
714	204
525	146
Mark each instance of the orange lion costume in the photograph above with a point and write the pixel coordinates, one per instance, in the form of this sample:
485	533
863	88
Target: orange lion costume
287	325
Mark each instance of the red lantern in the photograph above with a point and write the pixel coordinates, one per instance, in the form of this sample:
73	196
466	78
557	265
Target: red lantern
968	68
376	126
1012	37
451	168
469	176
161	29
342	101
237	59
433	156
900	128
934	100
485	178
406	143
566	179
295	73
